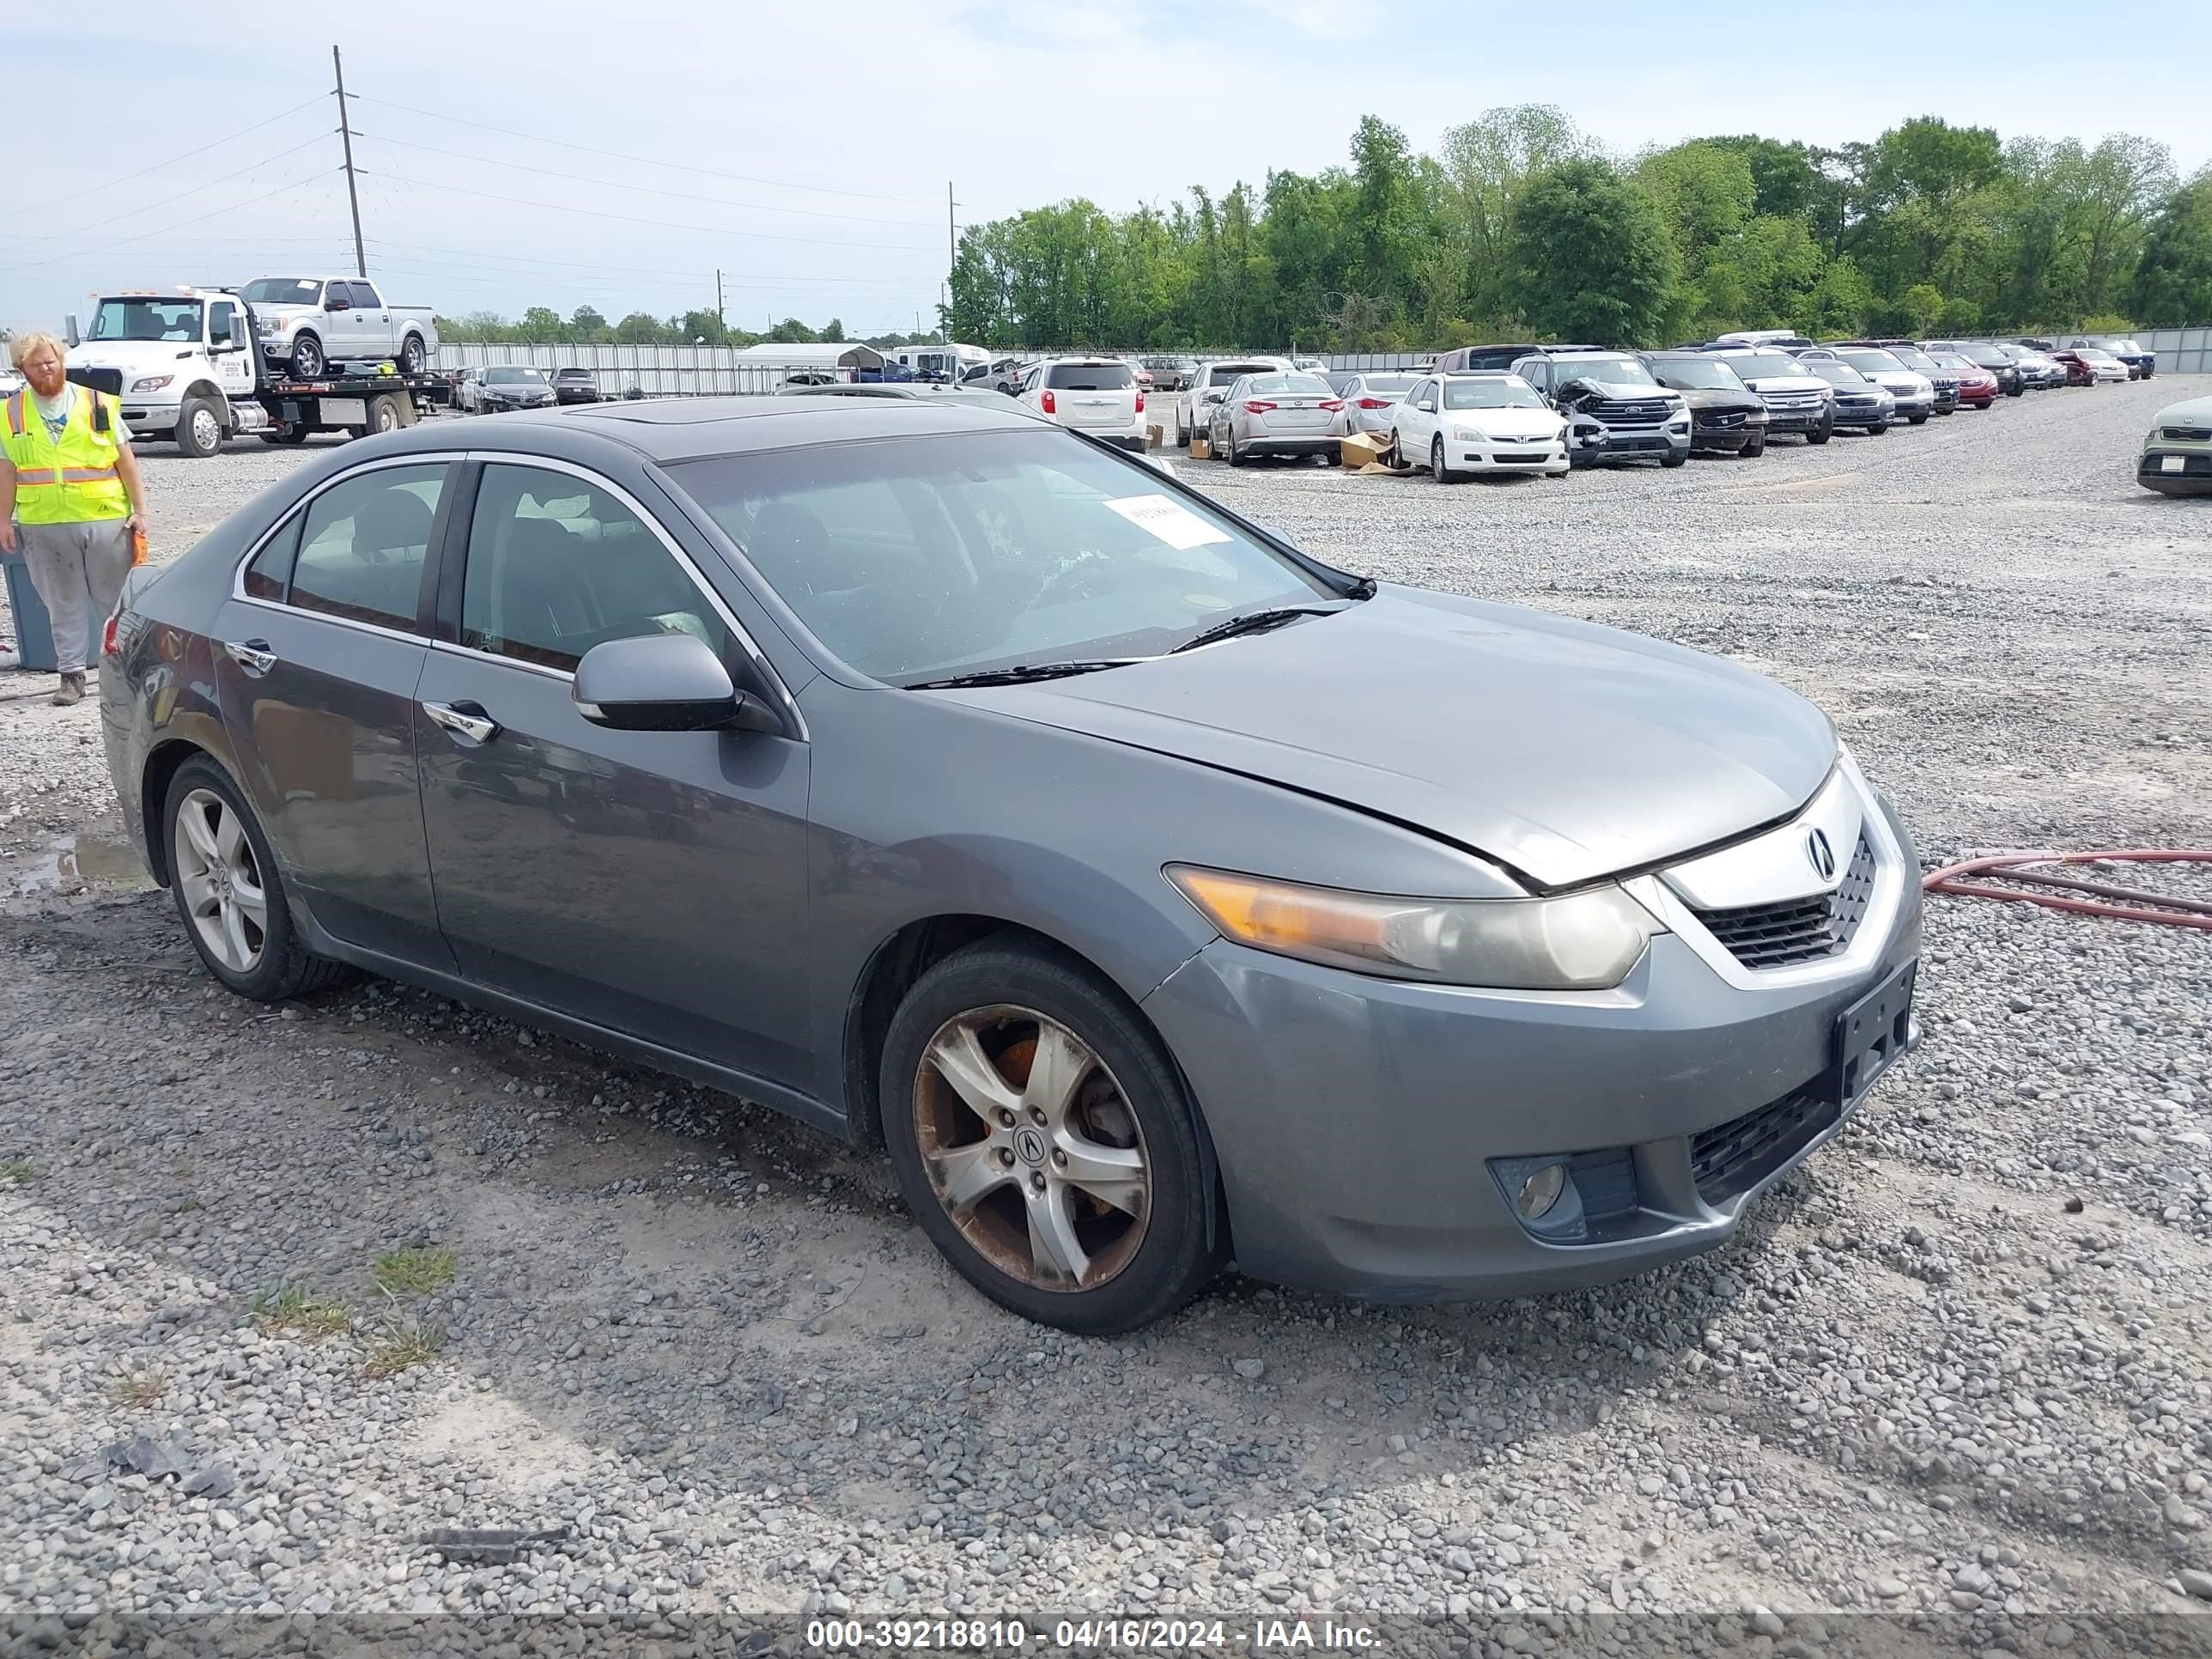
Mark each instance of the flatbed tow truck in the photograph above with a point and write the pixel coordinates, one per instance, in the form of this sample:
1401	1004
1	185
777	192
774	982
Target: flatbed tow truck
183	362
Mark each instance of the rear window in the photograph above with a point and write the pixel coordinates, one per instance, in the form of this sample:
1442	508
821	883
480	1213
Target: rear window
1090	377
1386	382
1296	386
1222	374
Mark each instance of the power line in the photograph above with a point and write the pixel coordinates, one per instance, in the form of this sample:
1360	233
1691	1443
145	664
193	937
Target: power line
650	190
122	241
58	235
643	161
663	224
166	162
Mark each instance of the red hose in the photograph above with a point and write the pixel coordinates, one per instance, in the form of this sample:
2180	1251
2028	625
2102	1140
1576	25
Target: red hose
2170	911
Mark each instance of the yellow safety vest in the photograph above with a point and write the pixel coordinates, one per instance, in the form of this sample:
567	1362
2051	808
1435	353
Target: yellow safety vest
74	480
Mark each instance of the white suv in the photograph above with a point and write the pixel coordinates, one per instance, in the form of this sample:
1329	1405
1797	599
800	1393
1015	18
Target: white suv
1097	395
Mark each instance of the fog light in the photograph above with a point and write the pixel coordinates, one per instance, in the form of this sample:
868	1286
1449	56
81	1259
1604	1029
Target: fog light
1540	1191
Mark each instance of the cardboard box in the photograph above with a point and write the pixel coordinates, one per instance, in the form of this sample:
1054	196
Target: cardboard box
1155	436
1361	448
1198	448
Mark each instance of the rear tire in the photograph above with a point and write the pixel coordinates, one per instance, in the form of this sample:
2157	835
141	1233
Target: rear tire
412	355
297	435
1131	1098
214	875
1229	452
385	414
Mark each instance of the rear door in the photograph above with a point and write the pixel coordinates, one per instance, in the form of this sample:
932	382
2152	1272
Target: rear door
376	336
1100	397
317	652
651	882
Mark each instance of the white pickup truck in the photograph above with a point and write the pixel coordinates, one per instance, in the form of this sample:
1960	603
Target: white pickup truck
307	323
183	362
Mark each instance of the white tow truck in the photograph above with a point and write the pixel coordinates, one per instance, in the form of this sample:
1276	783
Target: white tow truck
183	363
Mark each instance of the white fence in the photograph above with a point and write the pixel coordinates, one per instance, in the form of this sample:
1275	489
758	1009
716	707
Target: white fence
2179	350
656	371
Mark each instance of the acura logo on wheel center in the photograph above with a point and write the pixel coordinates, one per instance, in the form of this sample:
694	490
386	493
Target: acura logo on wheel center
1029	1144
1822	854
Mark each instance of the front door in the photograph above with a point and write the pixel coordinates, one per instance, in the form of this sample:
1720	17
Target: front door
230	356
316	667
650	882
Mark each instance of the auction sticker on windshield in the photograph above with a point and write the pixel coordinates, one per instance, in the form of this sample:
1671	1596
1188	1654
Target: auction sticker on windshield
1166	519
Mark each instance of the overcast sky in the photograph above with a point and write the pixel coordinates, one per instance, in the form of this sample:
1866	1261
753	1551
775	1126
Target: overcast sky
820	138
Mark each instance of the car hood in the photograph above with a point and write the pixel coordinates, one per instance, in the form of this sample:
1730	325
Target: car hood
1910	381
1618	391
2193	412
1717	400
1777	385
1564	751
1505	423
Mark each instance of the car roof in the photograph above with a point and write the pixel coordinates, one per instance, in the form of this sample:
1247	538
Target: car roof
687	428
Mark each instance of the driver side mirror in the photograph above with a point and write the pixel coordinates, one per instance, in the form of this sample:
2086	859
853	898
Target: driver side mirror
1427	406
338	305
665	683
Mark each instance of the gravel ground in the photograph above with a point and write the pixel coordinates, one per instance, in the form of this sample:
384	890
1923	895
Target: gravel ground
385	1265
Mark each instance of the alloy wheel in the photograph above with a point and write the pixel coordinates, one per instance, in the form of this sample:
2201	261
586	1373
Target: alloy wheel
1032	1147
220	880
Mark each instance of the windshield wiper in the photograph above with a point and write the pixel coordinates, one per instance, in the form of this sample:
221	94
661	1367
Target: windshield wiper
1252	621
1023	673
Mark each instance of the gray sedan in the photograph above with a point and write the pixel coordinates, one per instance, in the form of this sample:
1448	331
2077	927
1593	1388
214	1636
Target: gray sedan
1153	893
1293	415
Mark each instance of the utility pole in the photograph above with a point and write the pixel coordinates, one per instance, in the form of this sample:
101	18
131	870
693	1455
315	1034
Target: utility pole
353	197
951	259
718	300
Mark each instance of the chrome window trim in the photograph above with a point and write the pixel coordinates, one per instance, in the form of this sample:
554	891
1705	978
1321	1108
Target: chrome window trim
1883	905
785	702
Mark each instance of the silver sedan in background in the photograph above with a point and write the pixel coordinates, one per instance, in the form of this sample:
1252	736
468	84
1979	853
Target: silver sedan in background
1293	415
1369	401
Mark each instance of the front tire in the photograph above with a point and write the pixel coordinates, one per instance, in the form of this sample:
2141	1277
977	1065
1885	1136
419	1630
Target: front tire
1042	1137
199	428
1917	420
307	362
1443	474
1752	452
230	893
1877	428
1821	434
1675	458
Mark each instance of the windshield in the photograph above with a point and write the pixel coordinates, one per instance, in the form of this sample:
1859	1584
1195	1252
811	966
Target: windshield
1987	356
513	377
1835	373
282	291
918	558
1223	374
1090	377
574	374
1953	360
1767	366
1871	360
1490	394
1697	375
1614	371
1912	357
147	320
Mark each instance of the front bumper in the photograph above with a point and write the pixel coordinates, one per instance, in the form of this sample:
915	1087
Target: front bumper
1356	1120
1909	407
1729	440
1289	443
1550	456
1807	418
1607	444
150	420
2195	478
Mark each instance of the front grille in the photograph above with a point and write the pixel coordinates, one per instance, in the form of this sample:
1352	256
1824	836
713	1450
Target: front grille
2185	434
1797	930
1637	412
1735	1156
2193	466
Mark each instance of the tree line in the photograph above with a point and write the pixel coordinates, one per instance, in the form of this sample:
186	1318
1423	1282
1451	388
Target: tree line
1523	226
585	326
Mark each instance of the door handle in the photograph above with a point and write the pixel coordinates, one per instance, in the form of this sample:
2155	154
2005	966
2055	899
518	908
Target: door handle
254	656
465	719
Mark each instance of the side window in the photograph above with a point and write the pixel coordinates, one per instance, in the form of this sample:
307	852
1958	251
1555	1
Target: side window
267	577
335	294
557	564
363	541
222	322
364	295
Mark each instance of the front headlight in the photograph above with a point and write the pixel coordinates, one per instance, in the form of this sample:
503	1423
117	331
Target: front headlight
152	383
1583	941
1465	434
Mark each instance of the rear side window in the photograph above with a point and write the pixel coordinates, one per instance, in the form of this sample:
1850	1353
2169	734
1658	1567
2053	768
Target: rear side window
363	544
1091	377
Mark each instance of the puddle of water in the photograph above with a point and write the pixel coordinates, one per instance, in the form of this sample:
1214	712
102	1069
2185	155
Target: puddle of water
109	862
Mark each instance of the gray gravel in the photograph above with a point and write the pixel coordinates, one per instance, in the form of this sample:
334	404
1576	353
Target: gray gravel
1958	1370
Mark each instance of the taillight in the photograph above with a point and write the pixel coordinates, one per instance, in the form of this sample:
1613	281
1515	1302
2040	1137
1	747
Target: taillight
108	648
1047	404
1255	406
1375	403
1140	400
1332	403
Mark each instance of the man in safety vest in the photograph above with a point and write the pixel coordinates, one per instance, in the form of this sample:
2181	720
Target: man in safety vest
70	495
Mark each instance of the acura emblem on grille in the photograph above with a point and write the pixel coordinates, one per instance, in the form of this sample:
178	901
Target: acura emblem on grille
1822	854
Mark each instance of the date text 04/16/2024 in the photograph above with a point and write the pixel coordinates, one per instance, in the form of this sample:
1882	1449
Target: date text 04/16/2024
1093	1635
